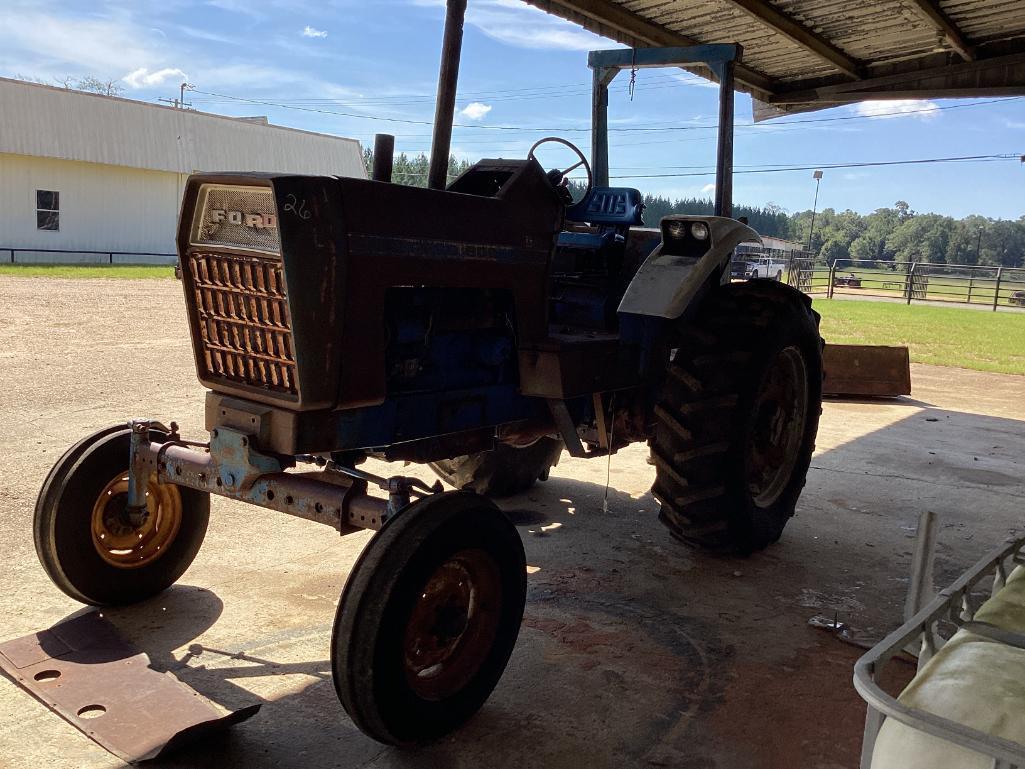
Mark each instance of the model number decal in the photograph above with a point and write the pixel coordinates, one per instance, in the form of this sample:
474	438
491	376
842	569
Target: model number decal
416	248
605	203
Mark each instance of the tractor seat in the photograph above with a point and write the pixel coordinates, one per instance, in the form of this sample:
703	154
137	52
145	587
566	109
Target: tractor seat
609	211
619	207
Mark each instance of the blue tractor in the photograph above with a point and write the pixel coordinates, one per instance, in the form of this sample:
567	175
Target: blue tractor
490	326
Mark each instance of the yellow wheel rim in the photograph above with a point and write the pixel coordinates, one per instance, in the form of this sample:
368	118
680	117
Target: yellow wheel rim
123	545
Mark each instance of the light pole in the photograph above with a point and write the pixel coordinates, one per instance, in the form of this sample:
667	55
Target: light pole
817	176
978	245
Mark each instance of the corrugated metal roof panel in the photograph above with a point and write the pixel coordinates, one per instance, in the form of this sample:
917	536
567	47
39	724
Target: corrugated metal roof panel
43	121
890	48
985	20
716	21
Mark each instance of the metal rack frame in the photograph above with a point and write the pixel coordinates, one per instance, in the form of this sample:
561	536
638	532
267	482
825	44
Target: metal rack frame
955	604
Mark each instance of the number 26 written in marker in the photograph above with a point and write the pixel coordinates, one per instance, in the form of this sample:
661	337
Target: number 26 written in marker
297	207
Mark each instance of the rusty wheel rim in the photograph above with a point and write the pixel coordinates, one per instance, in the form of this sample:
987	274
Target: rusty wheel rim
123	545
453	625
780	413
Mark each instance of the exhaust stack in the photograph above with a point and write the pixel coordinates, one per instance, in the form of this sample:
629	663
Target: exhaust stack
448	77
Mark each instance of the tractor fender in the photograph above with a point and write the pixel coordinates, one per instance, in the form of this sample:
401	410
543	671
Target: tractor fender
676	270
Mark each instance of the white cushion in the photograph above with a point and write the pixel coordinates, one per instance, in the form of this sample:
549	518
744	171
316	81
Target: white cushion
972	681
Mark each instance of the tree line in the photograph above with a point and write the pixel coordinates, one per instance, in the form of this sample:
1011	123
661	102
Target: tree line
899	234
412	170
765	220
885	236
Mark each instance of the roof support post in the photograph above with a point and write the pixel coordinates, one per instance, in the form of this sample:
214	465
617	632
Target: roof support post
448	78
724	151
602	77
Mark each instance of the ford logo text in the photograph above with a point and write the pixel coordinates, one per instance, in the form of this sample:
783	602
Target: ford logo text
256	221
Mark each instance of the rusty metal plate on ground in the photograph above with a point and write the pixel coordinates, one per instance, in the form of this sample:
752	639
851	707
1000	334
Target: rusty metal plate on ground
862	369
84	671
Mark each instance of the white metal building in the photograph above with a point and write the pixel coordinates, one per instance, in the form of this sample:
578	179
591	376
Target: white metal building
81	172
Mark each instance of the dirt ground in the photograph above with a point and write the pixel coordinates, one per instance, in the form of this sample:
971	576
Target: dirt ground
635	651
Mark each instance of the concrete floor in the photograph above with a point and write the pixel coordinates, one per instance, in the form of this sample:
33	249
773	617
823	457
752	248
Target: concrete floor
634	651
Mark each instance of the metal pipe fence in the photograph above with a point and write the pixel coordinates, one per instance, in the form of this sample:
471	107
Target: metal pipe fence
993	288
55	256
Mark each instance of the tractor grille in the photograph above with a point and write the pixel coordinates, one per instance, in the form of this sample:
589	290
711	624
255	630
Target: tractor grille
237	217
244	326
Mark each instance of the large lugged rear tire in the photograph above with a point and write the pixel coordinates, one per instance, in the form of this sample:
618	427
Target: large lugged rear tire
736	423
503	471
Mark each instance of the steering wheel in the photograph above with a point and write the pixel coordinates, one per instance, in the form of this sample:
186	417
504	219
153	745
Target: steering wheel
559	179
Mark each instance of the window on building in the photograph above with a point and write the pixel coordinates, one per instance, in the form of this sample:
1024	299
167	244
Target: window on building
48	216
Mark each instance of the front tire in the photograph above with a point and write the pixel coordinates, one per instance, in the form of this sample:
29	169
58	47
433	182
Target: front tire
503	471
428	618
737	420
85	543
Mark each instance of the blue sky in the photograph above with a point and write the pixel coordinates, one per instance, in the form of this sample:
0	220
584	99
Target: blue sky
377	59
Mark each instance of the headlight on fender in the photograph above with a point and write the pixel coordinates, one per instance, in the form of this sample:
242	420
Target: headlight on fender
699	230
676	230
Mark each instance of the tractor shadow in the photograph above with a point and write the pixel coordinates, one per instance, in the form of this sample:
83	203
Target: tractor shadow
879	400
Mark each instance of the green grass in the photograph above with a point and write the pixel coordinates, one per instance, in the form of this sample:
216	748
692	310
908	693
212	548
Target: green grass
941	336
86	271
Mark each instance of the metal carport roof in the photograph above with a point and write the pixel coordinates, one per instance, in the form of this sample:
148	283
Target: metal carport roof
810	54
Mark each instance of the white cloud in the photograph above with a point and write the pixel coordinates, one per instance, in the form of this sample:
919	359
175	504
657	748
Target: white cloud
55	46
47	46
309	31
245	7
526	36
688	78
922	109
475	110
514	23
708	189
206	35
143	78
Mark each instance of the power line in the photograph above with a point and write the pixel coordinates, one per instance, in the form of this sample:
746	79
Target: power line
551	91
646	129
416	100
754	169
868	164
370	117
556	91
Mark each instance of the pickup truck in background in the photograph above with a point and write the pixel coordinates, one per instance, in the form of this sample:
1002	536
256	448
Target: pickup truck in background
755	266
